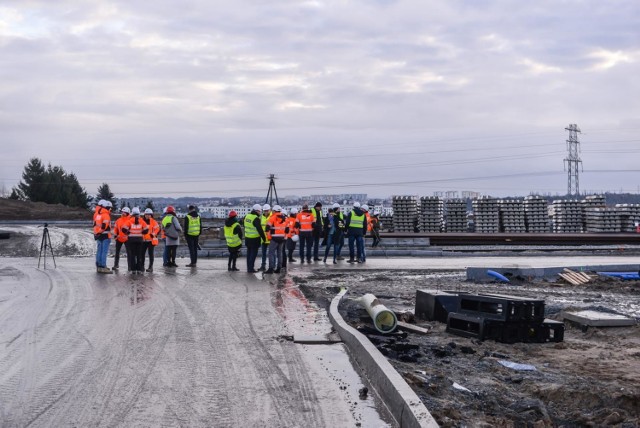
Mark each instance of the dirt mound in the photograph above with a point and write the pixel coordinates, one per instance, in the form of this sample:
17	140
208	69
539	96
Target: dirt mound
26	210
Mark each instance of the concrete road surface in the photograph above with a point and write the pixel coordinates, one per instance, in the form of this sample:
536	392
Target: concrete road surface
188	347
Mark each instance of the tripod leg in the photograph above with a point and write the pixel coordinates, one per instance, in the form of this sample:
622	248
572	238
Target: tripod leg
42	245
51	249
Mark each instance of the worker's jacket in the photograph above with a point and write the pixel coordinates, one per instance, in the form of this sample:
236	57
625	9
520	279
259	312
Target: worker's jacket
277	226
369	225
304	221
264	219
154	231
102	223
291	224
117	228
136	228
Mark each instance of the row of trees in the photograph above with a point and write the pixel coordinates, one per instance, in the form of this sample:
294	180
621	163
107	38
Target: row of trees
53	185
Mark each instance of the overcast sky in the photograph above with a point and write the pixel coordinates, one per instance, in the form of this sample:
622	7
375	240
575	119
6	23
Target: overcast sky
381	97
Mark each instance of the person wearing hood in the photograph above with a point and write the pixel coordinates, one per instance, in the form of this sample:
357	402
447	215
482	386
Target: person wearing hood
102	234
192	231
233	236
356	226
172	229
150	239
318	229
136	228
253	236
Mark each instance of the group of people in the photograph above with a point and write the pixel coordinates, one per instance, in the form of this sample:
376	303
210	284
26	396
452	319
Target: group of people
140	233
273	231
277	233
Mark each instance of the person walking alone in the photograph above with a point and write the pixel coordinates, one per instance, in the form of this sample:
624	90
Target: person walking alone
233	236
192	231
253	236
121	237
102	234
172	229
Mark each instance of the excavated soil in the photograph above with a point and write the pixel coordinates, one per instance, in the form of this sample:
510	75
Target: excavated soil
26	210
592	378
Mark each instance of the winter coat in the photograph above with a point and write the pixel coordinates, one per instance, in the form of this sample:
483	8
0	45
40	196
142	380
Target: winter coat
174	239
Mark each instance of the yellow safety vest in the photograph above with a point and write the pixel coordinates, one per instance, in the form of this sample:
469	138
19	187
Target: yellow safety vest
194	225
233	240
263	222
357	221
249	229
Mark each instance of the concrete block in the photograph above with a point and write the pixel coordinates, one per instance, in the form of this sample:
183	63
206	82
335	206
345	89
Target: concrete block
599	319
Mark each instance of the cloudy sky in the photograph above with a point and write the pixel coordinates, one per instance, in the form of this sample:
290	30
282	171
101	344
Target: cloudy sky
381	97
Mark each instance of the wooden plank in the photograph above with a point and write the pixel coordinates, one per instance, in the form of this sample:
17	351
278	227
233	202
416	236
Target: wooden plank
568	279
412	328
576	276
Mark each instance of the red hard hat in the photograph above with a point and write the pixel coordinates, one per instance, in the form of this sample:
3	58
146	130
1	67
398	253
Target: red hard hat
171	209
233	214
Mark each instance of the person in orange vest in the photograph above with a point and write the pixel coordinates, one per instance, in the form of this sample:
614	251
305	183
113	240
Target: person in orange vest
276	231
102	234
121	237
375	229
304	223
151	238
292	236
135	229
365	209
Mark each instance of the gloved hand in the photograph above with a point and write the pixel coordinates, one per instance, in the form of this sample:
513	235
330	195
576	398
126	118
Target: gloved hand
96	236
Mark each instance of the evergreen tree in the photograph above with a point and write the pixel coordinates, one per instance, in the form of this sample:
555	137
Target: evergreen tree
33	186
104	192
150	205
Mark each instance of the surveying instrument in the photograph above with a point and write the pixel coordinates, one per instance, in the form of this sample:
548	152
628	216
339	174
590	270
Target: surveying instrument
46	242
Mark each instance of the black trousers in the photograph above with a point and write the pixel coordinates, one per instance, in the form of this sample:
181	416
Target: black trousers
149	248
233	256
192	243
253	245
135	255
116	261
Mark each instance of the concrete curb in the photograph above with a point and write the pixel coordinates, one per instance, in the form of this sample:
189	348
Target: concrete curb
401	401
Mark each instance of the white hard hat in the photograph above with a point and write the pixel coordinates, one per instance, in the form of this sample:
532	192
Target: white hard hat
285	212
294	210
356	205
148	211
365	207
295	238
376	213
108	204
126	210
135	211
336	205
266	207
256	207
276	208
102	203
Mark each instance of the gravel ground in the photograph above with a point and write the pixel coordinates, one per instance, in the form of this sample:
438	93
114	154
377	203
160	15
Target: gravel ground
589	379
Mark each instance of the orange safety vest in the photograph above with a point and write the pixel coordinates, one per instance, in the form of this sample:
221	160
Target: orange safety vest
117	228
136	230
101	217
154	230
306	221
291	223
369	225
277	226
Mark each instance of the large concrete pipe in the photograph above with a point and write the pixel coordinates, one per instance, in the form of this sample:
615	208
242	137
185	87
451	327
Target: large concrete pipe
384	320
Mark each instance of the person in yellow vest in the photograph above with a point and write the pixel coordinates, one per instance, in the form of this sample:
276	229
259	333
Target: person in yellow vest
233	236
264	218
102	234
356	225
151	238
172	229
276	232
192	230
136	228
120	236
253	236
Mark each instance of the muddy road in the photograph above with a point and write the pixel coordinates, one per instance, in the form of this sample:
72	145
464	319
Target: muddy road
188	347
